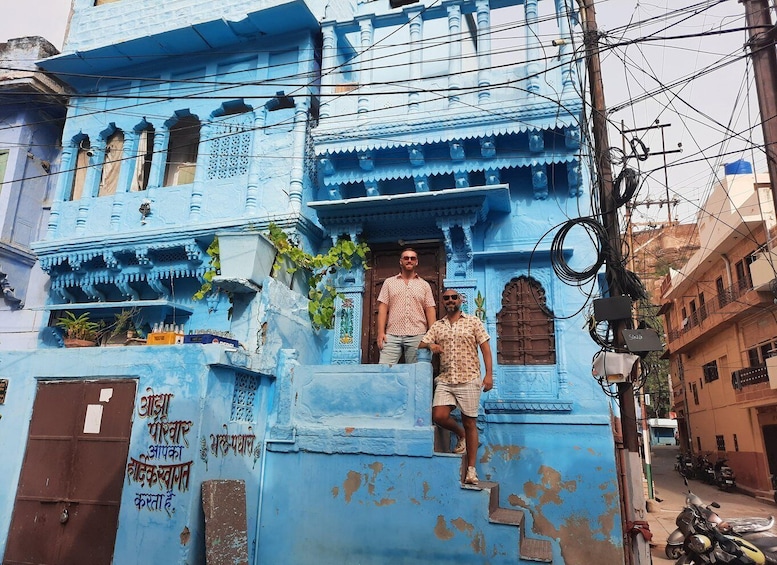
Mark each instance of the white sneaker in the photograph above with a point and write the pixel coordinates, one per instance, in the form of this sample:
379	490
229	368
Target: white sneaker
461	446
472	476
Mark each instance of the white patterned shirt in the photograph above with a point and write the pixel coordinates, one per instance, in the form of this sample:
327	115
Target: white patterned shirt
459	361
407	302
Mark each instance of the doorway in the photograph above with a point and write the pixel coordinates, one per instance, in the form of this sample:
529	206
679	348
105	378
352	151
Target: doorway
384	263
67	502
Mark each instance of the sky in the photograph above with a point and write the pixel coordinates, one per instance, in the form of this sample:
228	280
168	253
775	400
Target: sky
703	112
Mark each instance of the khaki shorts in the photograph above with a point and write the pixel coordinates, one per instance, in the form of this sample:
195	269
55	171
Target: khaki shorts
466	396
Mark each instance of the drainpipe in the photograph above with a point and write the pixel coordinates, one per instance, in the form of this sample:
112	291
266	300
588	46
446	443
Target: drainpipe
729	277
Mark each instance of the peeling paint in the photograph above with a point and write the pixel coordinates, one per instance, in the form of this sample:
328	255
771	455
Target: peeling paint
479	543
462	525
507	452
592	451
426	491
579	546
376	467
185	535
385	502
441	529
349	430
415	501
352	484
335	492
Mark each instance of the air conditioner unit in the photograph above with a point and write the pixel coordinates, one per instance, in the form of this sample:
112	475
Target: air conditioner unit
762	270
771	371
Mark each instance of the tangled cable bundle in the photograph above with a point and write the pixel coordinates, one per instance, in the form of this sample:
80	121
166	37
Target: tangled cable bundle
629	177
598	236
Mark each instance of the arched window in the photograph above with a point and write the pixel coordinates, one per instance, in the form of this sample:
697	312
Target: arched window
182	151
81	165
524	326
114	152
143	157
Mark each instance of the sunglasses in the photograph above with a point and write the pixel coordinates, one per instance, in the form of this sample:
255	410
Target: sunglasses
410	258
451	297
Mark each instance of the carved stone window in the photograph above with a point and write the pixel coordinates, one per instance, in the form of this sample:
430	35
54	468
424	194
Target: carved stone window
182	150
81	165
524	326
143	158
114	153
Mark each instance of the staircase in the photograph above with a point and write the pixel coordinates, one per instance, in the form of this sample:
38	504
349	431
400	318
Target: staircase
530	549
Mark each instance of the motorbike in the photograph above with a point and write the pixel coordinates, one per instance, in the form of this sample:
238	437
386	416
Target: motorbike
724	475
742	529
704	543
704	470
684	465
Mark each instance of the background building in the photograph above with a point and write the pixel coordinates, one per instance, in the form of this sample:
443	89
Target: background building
32	112
720	326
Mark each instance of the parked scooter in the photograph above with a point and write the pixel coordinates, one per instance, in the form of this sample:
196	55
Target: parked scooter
724	475
704	470
740	528
684	465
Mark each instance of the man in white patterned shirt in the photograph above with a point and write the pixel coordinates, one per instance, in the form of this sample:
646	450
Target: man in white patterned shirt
456	338
406	309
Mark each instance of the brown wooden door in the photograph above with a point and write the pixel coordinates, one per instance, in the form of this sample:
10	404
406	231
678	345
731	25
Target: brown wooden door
384	263
67	502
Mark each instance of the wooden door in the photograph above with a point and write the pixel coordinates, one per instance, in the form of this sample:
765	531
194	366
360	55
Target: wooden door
69	493
384	263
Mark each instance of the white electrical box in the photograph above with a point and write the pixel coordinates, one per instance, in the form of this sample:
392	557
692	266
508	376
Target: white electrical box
615	367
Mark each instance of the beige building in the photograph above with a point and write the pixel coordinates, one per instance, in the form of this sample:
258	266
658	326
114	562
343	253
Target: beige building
721	323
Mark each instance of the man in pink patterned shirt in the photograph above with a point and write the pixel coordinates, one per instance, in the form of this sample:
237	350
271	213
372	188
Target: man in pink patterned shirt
406	310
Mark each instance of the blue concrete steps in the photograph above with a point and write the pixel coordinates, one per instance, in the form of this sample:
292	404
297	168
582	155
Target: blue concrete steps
530	549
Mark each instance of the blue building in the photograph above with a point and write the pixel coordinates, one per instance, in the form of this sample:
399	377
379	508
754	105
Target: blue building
428	124
32	115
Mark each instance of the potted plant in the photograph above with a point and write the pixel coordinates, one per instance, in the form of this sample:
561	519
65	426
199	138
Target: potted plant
80	331
122	329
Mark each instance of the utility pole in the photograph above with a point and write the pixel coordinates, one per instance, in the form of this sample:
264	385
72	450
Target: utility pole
762	53
636	548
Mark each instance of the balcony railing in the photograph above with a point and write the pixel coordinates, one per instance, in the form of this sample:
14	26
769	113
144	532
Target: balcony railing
749	376
729	295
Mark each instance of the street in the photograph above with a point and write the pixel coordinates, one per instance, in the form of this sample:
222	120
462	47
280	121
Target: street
669	488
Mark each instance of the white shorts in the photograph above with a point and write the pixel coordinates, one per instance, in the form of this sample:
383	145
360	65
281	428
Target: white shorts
466	396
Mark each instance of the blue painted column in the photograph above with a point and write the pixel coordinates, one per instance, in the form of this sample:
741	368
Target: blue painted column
533	52
568	73
416	51
483	13
64	185
298	154
454	54
328	68
365	66
156	177
91	184
130	150
252	190
200	172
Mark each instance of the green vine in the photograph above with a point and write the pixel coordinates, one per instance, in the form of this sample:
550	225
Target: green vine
214	268
322	294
